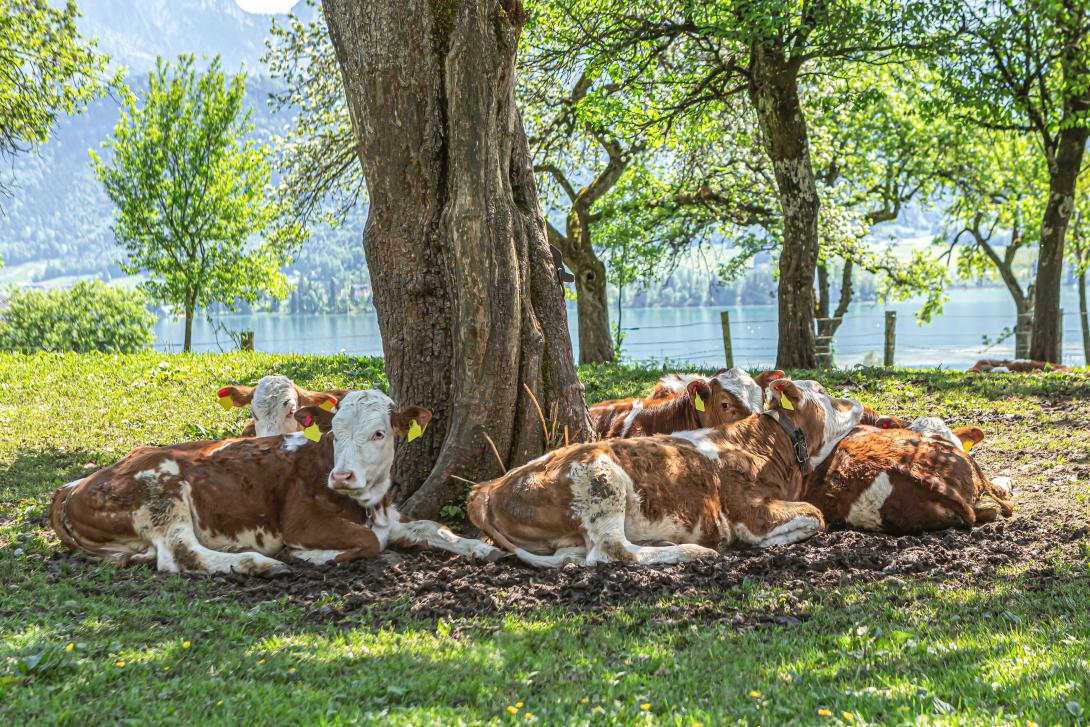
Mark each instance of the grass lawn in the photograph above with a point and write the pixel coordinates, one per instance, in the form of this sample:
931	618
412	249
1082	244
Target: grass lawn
84	643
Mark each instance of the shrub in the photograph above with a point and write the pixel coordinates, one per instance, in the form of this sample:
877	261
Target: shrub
89	316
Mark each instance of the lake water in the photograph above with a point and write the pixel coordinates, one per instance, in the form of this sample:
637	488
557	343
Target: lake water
952	340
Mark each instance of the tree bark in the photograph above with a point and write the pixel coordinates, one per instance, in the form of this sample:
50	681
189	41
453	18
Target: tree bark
187	343
828	325
591	305
773	90
468	303
1064	167
1005	266
1083	321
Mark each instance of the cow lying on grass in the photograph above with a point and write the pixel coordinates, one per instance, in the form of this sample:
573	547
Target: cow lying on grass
1018	366
906	481
597	502
682	402
228	506
273	404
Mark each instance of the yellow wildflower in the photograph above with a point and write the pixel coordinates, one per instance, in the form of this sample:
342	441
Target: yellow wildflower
219	703
119	663
847	716
755	694
529	715
825	712
518	704
185	644
70	646
584	700
512	710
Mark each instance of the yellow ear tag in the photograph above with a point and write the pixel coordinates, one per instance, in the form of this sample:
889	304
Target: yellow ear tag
328	405
785	402
312	432
967	444
415	431
699	402
227	402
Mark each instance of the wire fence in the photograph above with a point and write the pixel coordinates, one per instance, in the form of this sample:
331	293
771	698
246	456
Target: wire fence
859	337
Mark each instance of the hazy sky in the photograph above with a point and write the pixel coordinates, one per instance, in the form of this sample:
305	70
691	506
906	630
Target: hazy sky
266	6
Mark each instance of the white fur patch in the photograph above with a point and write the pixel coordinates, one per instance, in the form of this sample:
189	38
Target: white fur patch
838	423
316	557
866	511
701	439
244	540
273	405
73	483
935	427
737	382
1003	483
293	441
679	382
1000	370
637	407
793	531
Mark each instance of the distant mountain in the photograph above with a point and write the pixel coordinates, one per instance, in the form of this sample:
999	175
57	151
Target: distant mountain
56	225
134	32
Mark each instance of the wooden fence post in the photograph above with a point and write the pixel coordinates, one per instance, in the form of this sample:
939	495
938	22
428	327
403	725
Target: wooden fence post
728	353
246	341
891	335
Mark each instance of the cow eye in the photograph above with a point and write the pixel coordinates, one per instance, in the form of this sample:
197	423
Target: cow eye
377	436
725	405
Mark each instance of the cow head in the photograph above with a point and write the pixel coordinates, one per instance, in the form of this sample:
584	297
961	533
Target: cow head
732	395
824	419
964	438
275	401
363	431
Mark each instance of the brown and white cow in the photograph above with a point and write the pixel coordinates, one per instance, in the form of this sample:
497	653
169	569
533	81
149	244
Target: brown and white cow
600	501
683	402
273	403
906	481
230	505
1017	366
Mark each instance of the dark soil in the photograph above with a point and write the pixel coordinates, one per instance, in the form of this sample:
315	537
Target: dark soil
432	585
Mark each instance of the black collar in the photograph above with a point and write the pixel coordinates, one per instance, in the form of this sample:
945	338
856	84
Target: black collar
798	439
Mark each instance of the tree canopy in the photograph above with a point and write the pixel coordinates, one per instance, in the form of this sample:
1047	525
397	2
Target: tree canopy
194	201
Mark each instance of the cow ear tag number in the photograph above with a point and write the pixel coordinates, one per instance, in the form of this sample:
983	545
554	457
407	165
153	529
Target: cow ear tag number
310	431
785	402
699	403
415	431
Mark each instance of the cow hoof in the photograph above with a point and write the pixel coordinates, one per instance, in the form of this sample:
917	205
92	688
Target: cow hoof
495	554
275	571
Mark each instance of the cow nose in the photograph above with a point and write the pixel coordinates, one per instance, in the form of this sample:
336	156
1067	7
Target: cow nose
341	478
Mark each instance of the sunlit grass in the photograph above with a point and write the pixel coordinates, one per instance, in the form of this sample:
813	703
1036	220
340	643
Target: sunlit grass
1002	652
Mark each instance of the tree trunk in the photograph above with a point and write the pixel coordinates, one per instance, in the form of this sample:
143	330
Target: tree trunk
187	343
591	306
1063	172
1084	323
827	325
773	90
468	303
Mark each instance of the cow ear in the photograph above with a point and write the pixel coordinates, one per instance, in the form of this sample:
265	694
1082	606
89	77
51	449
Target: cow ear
308	415
969	436
700	392
236	395
403	420
783	394
328	400
887	422
765	378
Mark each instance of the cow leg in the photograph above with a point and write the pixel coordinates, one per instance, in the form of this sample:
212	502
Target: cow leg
601	491
398	530
779	522
166	521
576	554
332	540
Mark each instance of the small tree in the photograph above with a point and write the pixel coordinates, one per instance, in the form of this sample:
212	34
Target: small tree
193	197
46	70
90	316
